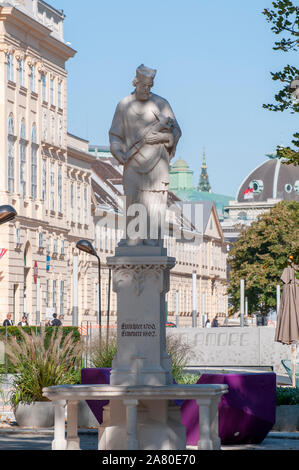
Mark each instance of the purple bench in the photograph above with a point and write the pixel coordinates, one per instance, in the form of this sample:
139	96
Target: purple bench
246	412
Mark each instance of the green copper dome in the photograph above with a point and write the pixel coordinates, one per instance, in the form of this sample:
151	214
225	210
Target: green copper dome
180	164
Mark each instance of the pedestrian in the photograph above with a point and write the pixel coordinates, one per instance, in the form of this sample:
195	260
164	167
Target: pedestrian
61	318
208	323
55	321
215	322
8	321
24	321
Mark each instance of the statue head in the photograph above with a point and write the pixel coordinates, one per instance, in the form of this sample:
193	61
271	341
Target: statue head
143	82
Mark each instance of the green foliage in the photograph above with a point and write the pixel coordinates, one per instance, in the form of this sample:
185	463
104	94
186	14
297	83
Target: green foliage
42	361
287	396
15	331
102	354
189	379
261	253
179	352
284	18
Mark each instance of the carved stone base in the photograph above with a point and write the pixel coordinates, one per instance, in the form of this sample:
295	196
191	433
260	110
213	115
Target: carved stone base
141	283
156	427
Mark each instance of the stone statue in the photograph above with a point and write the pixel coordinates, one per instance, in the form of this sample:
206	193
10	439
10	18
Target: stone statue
143	138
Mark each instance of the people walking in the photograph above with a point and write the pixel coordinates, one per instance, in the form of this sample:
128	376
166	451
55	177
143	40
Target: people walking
24	321
208	323
8	321
215	322
55	321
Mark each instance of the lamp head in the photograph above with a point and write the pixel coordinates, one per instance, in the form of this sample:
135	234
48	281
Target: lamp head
86	246
7	213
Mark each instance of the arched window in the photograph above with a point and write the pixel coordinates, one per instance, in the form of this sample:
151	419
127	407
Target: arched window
33	163
11	156
23	159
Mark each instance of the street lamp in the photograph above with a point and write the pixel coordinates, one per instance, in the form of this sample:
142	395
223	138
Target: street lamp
86	246
7	213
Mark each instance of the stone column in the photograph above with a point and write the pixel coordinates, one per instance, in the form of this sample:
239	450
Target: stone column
73	441
59	442
208	424
131	412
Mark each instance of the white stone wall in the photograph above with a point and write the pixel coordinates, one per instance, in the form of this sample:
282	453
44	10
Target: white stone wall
233	346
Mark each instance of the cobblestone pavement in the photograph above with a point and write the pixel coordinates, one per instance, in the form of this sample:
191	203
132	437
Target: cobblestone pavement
17	439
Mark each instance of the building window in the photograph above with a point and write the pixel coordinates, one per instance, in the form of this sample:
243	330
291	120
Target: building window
32	79
47	293
62	246
44	181
59	189
22	74
59	93
55	246
72	201
11	157
52	183
85	206
40	240
10	68
44	87
23	160
52	128
52	91
78	204
33	163
18	236
54	293
61	297
45	126
60	132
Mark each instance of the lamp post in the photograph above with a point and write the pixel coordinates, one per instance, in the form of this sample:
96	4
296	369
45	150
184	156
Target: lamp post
7	213
86	247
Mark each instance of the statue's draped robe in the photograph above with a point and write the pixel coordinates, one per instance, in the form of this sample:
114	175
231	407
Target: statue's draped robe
146	169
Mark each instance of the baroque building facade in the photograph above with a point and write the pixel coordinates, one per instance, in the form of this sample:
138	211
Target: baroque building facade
45	171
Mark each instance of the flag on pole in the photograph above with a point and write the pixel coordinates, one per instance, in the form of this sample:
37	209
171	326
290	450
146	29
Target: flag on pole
3	251
248	194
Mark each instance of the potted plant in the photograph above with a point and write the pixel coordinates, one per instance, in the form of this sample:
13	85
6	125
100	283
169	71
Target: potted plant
41	361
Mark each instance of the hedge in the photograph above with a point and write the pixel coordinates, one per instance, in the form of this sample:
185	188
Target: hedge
15	331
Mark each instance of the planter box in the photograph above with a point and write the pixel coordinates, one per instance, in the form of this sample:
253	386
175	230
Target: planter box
287	418
35	415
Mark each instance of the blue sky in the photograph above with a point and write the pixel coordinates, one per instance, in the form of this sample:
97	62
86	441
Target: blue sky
213	59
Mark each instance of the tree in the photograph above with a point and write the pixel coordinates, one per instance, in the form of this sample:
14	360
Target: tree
261	253
284	18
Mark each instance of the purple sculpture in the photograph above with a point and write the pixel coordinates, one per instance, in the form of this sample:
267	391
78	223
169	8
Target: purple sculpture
246	412
96	377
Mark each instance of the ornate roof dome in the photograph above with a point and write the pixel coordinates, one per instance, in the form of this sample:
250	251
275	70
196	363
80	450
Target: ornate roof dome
273	179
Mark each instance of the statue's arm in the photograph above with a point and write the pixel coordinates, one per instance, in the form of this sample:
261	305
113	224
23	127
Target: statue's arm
116	137
175	131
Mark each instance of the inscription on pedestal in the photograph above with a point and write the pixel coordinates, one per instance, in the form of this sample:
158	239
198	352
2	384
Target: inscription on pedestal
139	329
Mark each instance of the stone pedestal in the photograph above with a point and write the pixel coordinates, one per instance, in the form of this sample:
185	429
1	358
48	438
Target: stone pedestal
141	280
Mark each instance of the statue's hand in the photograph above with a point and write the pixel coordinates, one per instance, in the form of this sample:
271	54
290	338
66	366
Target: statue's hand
157	138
